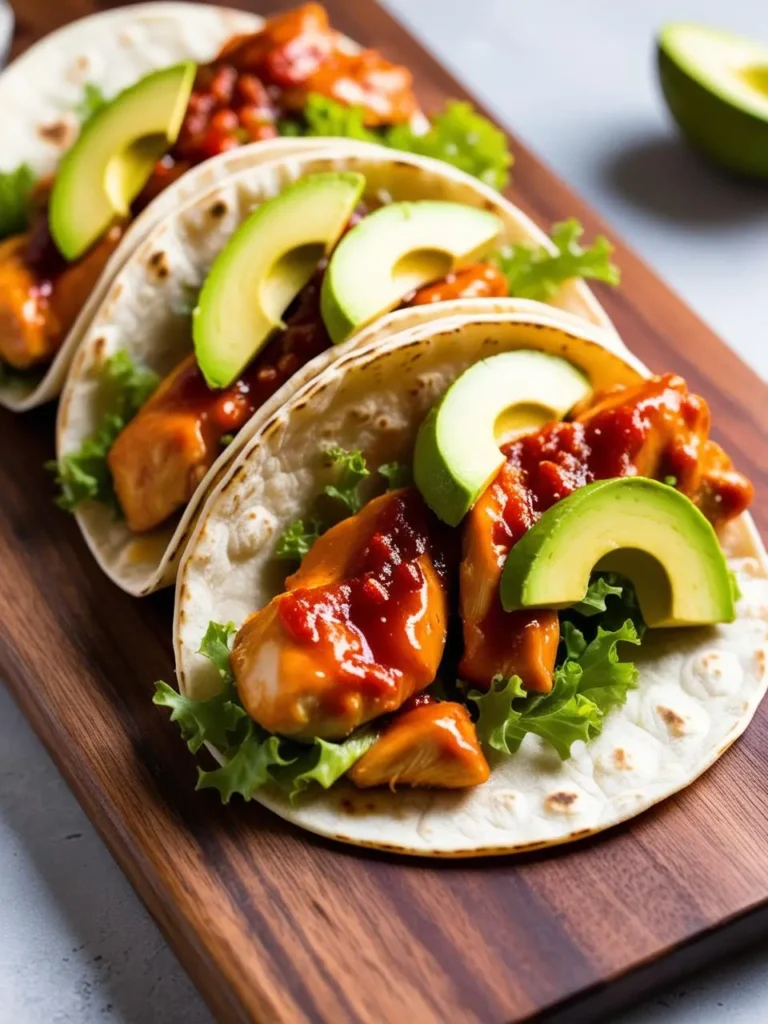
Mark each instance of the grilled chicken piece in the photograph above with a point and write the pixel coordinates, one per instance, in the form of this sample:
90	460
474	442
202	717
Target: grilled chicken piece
518	643
36	313
289	49
429	744
28	333
161	456
655	429
478	281
383	91
671	427
361	627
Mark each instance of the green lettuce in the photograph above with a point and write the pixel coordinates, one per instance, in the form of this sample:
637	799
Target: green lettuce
462	137
536	273
92	102
590	680
324	762
506	713
253	758
458	136
397	474
297	539
15	189
601	587
83	475
352	471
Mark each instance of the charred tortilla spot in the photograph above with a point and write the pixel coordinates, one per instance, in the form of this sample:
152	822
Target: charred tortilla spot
674	723
760	661
621	761
158	262
218	209
98	348
561	802
59	133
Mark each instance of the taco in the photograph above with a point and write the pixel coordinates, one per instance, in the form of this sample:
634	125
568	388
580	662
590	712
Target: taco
105	114
560	623
167	377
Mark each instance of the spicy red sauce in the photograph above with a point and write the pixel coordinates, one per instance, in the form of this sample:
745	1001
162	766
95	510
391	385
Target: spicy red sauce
224	411
386	620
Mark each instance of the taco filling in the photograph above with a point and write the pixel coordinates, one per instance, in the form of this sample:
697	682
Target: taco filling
408	647
341	258
294	77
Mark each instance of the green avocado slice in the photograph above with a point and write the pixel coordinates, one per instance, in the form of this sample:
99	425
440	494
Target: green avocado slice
114	155
395	250
457	452
264	266
716	87
645	530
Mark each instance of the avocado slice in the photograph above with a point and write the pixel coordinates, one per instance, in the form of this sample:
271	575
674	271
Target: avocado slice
264	266
395	250
457	453
645	530
716	87
114	155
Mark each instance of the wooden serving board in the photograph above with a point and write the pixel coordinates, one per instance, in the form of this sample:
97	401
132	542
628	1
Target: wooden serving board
275	925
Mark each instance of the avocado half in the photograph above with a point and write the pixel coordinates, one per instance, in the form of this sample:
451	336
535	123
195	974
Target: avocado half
716	87
114	155
640	528
457	448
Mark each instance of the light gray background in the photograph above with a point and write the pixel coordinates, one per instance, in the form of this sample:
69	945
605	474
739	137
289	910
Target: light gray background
575	79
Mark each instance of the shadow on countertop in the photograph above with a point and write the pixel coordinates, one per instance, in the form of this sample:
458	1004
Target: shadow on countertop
662	174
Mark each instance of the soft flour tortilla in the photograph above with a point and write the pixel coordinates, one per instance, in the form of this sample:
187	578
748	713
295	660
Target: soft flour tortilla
113	50
39	95
698	687
146	312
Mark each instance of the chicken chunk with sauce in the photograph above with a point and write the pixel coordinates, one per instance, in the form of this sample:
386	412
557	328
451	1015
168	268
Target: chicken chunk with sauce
361	627
161	456
37	309
426	744
655	429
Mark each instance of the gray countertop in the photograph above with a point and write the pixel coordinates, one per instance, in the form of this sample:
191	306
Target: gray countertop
575	80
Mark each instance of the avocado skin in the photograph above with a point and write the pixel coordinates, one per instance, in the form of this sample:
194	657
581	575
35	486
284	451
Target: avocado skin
726	134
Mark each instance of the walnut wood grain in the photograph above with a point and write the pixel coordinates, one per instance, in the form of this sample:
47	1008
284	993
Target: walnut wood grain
275	925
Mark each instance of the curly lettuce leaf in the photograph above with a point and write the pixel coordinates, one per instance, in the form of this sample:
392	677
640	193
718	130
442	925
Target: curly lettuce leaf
458	136
397	474
605	678
352	471
324	762
462	137
216	646
92	102
600	588
83	475
252	757
201	721
217	719
297	539
325	117
590	681
15	189
248	766
536	273
506	713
